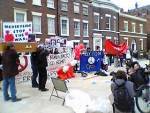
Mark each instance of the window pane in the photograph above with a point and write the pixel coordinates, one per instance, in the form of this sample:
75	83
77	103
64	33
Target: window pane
85	29
20	17
108	23
115	25
85	10
64	26
50	3
37	2
77	28
96	21
37	24
51	25
76	8
64	6
125	26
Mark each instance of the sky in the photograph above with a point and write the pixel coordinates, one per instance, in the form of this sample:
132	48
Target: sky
130	4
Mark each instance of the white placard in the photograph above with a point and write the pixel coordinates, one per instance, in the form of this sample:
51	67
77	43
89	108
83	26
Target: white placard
16	31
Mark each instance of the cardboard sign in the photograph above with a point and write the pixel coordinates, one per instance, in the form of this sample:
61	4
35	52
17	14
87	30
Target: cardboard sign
16	31
55	61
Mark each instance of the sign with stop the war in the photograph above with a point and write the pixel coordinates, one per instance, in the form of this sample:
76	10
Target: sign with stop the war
16	31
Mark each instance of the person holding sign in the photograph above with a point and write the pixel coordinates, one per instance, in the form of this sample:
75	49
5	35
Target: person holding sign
42	64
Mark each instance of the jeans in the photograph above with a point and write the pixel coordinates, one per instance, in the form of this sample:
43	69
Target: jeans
34	76
9	82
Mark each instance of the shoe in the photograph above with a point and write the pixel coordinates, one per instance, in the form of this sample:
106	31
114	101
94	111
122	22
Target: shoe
45	89
35	86
16	100
7	99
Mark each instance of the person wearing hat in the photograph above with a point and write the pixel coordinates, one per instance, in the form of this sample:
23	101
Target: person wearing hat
10	70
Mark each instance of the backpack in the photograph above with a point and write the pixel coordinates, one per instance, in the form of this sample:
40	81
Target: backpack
122	99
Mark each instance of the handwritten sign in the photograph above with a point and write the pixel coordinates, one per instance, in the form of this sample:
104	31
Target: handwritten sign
55	61
17	31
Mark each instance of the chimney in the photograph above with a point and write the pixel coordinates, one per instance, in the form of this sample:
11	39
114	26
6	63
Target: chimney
136	5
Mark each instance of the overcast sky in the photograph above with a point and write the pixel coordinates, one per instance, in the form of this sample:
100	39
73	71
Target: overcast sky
130	4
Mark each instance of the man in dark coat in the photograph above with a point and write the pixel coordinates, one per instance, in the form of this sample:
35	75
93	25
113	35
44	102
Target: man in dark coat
10	70
42	64
34	59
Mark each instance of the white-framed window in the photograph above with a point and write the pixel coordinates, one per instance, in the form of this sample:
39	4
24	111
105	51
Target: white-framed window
20	15
22	1
141	28
133	27
51	24
115	24
126	39
96	21
108	22
64	21
64	5
36	18
76	27
85	28
125	25
85	9
50	3
141	44
36	2
76	7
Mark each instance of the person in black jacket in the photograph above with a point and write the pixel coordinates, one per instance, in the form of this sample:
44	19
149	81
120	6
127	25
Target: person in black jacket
1	76
42	64
138	77
34	59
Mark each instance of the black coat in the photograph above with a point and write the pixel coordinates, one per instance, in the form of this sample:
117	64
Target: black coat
9	62
42	59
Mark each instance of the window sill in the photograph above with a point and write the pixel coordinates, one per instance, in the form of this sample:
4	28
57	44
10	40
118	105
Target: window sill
50	7
20	1
86	36
36	4
38	33
64	34
51	34
77	35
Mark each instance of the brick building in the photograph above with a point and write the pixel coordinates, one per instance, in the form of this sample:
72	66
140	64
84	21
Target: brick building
133	31
143	12
90	22
105	22
70	19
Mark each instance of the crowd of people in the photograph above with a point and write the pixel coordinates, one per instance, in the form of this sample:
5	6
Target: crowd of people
125	82
125	85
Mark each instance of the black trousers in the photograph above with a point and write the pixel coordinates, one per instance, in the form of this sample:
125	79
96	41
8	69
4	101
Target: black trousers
42	77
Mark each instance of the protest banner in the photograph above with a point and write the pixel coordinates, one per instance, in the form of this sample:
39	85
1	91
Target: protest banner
55	61
16	31
90	61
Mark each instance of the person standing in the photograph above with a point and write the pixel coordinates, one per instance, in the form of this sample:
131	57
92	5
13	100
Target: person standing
10	70
34	58
1	78
42	64
123	93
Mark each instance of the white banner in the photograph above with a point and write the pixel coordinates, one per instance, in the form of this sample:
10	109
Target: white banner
55	61
17	31
56	42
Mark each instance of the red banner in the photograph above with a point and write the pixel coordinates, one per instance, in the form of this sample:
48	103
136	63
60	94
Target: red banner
113	49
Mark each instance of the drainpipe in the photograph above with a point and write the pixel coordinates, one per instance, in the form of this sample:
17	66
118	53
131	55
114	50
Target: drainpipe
57	17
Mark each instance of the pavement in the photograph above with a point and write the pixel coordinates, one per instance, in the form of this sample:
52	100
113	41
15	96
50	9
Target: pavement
35	101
